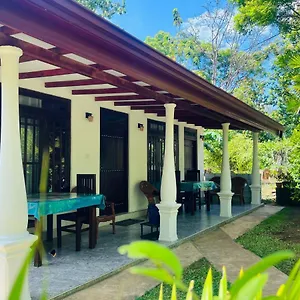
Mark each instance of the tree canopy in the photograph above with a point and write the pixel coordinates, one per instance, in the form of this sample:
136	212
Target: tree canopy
105	8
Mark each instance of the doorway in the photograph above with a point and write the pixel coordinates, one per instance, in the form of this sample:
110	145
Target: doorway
190	149
114	158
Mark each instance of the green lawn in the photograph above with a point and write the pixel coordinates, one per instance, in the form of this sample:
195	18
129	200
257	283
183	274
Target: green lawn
197	271
279	232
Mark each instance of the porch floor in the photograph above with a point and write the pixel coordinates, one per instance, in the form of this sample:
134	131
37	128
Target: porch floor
70	269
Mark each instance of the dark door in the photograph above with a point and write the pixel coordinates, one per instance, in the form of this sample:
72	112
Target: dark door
190	149
156	149
45	122
114	158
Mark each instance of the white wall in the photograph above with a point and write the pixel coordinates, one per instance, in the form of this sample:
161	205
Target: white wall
85	139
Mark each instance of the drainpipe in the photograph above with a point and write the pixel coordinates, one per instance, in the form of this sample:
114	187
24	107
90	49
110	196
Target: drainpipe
168	208
225	192
15	241
255	186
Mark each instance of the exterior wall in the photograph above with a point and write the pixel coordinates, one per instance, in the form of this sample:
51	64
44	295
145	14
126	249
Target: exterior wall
85	139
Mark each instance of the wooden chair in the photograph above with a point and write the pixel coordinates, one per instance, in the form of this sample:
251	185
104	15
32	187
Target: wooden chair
217	181
238	186
192	175
108	214
149	191
86	184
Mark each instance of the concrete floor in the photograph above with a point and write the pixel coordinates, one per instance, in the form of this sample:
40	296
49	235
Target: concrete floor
217	246
70	270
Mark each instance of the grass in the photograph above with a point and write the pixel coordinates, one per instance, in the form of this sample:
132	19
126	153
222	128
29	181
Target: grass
197	271
279	232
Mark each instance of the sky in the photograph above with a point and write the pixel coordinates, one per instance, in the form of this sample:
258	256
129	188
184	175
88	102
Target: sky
146	17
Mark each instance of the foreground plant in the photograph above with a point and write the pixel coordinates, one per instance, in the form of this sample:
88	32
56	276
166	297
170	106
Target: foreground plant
248	286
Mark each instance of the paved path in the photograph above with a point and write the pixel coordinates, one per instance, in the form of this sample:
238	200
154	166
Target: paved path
217	246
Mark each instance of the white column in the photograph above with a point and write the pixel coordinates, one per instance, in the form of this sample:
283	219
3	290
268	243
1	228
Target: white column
181	149
168	208
200	152
15	240
255	186
225	191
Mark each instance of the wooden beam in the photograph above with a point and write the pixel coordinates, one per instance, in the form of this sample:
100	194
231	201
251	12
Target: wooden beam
138	103
46	73
121	98
99	91
68	83
157	109
73	66
8	30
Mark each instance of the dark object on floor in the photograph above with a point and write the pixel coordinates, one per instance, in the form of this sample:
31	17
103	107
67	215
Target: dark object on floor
284	196
86	184
53	253
128	222
108	214
153	235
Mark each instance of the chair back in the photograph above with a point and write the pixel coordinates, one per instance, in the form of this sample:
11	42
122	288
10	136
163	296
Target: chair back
86	184
238	185
192	175
216	179
147	188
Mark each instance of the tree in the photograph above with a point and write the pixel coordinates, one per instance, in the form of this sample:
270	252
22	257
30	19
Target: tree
284	14
211	47
105	8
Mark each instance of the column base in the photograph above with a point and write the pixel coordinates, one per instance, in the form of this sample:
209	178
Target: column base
225	204
255	194
13	253
168	222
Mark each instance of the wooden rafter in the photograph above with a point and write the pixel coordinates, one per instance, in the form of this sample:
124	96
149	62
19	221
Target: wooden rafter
121	98
70	83
99	91
138	103
93	72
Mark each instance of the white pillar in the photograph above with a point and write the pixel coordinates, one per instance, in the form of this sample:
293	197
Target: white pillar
255	186
15	240
225	191
200	152
168	208
181	149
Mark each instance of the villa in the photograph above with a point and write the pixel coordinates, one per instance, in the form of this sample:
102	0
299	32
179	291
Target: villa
106	104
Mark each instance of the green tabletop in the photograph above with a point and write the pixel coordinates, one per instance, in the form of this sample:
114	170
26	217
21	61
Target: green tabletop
191	186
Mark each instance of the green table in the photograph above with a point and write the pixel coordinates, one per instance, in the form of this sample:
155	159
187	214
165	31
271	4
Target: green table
48	204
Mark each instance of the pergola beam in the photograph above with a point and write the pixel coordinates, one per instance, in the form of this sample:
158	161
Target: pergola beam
70	83
122	98
144	104
99	91
73	66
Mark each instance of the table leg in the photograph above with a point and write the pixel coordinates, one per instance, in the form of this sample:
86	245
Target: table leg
38	244
207	200
49	228
92	230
